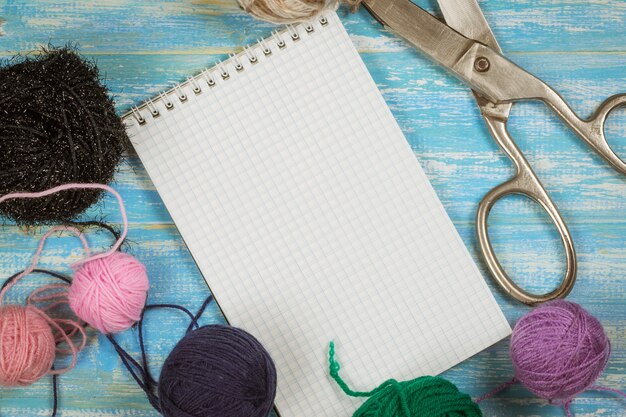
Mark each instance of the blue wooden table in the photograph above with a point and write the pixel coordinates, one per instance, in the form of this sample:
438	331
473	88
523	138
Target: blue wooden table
143	47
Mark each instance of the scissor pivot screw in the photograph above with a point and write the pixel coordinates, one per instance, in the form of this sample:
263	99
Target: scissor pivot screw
481	64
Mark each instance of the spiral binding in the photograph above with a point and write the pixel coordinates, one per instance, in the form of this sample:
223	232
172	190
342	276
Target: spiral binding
207	77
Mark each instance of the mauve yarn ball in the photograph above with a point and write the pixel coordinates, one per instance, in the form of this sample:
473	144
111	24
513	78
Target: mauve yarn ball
27	346
558	350
57	126
217	371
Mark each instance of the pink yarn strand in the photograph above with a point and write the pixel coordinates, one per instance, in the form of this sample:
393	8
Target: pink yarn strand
73	349
495	391
37	255
54	299
39	296
78	186
72	327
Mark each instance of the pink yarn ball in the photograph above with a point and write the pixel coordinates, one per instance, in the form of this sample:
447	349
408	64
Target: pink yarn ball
27	346
110	293
558	350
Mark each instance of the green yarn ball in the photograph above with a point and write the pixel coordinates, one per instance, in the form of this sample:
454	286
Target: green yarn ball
426	396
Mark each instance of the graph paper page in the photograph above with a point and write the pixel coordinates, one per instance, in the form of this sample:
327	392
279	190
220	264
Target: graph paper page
311	220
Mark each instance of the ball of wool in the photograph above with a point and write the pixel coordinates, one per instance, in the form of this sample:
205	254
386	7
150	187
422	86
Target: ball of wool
217	371
27	346
57	126
290	11
558	350
426	396
110	293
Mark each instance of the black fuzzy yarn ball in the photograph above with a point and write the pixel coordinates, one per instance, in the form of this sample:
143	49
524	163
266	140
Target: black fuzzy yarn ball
57	125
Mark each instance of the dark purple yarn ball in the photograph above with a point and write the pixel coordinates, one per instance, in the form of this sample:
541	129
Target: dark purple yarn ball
217	371
57	125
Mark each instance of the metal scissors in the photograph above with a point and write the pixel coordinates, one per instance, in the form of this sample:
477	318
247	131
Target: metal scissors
466	46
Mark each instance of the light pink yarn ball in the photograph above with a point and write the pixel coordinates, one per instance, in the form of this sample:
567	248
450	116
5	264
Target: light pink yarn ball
110	293
27	346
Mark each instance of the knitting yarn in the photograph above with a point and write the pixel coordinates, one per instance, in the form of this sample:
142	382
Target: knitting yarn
213	371
29	337
109	289
217	371
426	396
291	11
558	350
27	345
57	125
42	295
110	293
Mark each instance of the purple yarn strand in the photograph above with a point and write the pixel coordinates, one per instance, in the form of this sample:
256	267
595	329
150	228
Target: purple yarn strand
150	382
130	363
194	321
497	390
140	371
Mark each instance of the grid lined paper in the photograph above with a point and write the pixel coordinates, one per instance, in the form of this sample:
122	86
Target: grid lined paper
311	220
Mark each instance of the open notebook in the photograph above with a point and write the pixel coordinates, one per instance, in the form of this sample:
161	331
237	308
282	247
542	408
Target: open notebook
310	218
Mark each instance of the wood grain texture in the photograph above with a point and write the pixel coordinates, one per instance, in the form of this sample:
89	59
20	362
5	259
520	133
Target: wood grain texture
578	46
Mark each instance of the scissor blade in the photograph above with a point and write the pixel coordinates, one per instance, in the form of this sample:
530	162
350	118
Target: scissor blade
434	38
466	17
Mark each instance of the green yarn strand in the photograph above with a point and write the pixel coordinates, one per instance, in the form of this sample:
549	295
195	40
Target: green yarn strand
426	396
334	373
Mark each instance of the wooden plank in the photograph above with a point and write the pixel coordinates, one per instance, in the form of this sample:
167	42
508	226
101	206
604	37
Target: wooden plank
201	26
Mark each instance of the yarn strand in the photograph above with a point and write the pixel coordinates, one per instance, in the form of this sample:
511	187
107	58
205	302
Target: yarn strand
90	223
79	186
497	390
130	364
334	373
73	348
140	372
55	393
194	319
37	271
150	381
10	283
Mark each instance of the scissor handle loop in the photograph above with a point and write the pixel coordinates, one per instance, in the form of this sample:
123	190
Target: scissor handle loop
520	185
526	183
596	136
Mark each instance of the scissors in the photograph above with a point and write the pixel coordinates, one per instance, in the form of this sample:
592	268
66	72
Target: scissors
466	46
